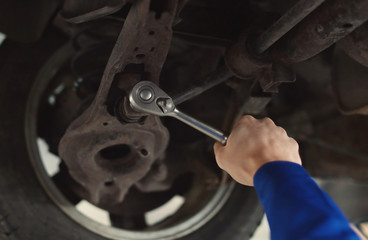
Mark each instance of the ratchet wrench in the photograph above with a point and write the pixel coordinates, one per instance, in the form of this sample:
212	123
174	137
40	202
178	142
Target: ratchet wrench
147	97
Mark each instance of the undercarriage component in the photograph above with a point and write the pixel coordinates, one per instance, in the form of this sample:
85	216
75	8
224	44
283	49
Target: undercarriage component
245	65
332	21
242	63
291	18
349	81
139	54
107	162
350	72
211	80
356	45
79	11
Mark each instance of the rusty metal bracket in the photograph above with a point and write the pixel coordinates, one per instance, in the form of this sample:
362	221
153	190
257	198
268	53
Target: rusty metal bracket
331	22
91	142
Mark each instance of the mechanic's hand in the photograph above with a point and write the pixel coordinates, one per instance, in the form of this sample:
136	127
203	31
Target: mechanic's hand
253	143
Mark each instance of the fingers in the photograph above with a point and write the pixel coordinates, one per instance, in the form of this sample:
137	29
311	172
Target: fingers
217	148
252	143
281	130
294	142
268	121
246	119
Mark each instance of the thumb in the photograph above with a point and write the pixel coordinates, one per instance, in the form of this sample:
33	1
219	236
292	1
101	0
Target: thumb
217	147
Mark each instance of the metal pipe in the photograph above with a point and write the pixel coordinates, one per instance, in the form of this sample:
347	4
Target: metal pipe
320	29
289	20
334	20
212	80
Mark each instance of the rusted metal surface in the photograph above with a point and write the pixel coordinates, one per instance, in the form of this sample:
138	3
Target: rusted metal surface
272	79
350	72
350	85
92	140
334	20
318	31
356	45
242	63
284	24
213	79
80	11
107	161
245	65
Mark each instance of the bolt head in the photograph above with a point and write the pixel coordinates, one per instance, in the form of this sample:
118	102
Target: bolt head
146	94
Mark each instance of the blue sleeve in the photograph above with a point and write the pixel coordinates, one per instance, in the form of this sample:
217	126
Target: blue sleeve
296	208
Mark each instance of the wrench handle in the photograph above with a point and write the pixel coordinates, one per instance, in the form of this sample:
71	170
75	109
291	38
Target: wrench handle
200	126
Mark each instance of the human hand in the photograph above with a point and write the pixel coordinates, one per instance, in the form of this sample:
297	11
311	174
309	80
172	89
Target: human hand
253	143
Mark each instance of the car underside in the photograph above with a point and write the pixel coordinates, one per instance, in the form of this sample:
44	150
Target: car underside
67	69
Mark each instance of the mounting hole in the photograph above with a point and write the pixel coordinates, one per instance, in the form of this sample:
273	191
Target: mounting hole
144	152
105	123
347	25
140	56
151	32
115	152
109	183
117	158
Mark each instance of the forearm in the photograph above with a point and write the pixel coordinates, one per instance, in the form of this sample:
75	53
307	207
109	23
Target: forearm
296	207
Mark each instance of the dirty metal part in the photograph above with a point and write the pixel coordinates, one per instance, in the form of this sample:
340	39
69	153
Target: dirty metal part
243	57
356	45
149	98
350	85
250	97
245	65
285	23
125	113
177	172
242	63
213	79
142	44
256	102
203	40
212	23
122	110
80	11
332	21
110	161
93	31
272	79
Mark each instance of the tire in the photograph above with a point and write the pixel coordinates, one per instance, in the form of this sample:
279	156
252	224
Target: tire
26	211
